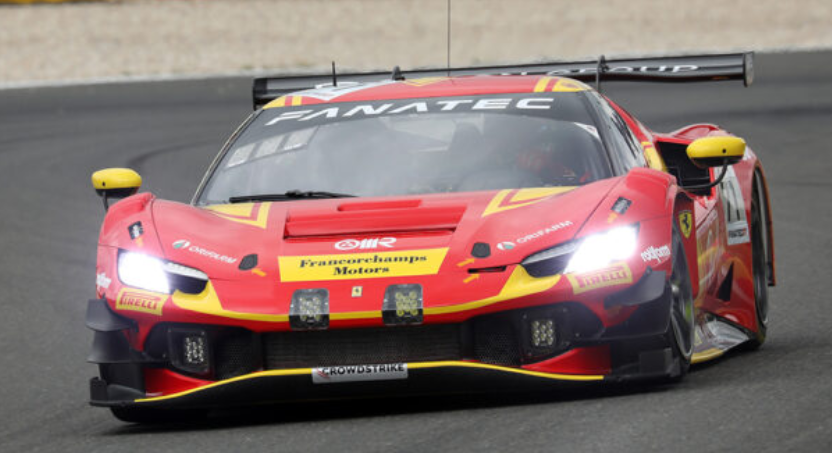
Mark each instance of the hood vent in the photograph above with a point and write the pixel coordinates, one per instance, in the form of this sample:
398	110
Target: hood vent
374	217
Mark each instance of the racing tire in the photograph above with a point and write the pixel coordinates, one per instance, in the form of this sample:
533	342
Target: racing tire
148	415
680	331
760	263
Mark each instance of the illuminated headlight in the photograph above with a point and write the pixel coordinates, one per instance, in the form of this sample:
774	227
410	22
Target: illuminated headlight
402	305
600	250
309	309
142	271
584	255
153	274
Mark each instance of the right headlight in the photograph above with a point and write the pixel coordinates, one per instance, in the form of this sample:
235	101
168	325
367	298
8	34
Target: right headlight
584	255
153	274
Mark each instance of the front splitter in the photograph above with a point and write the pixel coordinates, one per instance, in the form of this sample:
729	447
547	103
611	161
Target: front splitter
297	384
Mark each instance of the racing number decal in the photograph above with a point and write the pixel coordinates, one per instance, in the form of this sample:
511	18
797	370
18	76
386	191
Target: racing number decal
685	223
733	206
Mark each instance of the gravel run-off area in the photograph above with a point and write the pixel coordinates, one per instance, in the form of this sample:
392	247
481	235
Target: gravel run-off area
91	41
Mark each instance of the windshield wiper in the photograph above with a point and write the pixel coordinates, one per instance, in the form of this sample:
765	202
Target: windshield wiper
290	195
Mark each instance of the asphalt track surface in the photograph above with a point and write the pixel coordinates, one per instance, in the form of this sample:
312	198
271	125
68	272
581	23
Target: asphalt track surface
776	399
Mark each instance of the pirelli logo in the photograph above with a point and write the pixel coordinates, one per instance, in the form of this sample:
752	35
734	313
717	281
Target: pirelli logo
616	274
141	301
360	265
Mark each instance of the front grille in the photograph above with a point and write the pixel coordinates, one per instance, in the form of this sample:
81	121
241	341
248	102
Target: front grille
495	340
362	346
236	355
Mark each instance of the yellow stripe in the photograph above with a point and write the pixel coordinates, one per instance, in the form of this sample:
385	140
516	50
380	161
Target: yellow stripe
519	284
653	158
708	354
296	100
279	102
355	315
412	366
541	84
292	372
208	303
242	213
556	376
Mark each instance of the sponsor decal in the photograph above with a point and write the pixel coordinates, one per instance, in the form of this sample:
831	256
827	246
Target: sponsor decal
517	198
685	223
357	291
414	107
541	233
738	233
135	230
364	244
655	253
648	69
141	301
360	265
616	274
621	205
102	281
507	245
733	206
356	373
183	244
618	208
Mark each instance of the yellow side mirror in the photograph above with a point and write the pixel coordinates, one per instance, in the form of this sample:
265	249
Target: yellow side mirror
716	151
115	183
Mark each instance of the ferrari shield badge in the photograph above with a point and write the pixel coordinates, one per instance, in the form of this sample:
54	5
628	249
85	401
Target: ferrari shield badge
685	223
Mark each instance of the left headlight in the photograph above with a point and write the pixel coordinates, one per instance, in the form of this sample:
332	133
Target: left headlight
153	274
584	255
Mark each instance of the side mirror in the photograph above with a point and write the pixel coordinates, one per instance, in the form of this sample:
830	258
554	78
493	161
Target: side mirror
716	151
115	183
719	151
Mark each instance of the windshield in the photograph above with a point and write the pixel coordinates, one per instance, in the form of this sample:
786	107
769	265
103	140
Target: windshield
413	146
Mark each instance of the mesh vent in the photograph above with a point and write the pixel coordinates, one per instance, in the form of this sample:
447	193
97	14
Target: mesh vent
362	346
236	355
495	341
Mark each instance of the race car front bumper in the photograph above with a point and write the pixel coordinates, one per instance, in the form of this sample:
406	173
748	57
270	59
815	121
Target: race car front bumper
621	347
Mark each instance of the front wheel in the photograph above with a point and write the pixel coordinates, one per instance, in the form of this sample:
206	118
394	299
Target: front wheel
681	329
759	261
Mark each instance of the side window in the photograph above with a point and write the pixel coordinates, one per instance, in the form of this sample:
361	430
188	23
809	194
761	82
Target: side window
628	150
632	142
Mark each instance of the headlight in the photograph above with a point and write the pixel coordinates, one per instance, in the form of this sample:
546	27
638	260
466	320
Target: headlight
600	250
584	255
146	272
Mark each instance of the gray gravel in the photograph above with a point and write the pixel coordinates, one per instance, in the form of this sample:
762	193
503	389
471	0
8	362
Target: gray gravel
90	41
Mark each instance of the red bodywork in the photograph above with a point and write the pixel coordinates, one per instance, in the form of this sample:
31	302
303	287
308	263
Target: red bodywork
442	228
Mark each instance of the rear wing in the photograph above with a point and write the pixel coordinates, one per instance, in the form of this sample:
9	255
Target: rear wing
693	68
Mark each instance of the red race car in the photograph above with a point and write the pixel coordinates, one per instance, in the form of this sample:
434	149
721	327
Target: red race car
434	231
